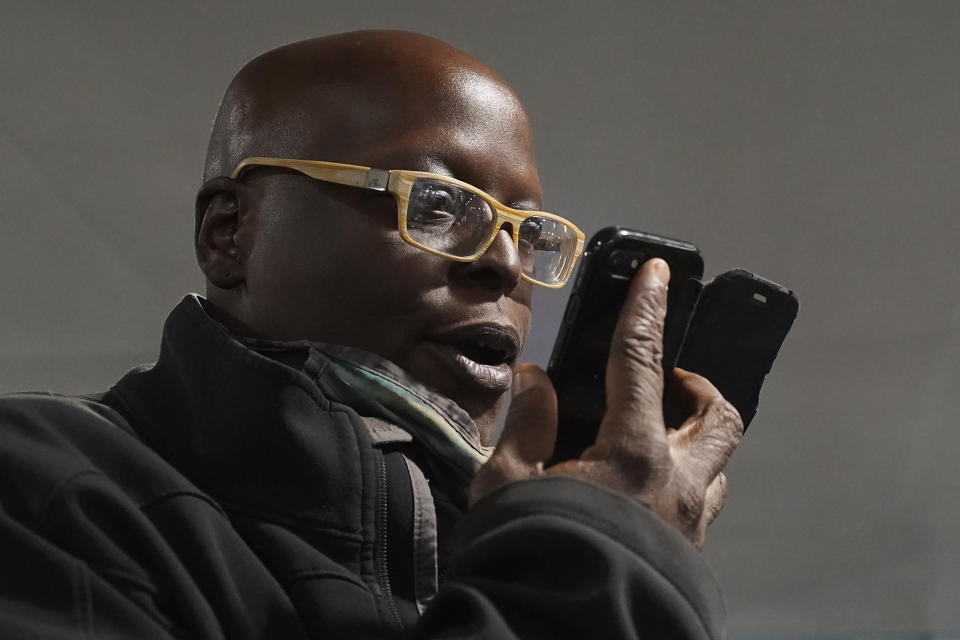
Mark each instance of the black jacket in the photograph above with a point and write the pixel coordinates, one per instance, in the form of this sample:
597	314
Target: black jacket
218	494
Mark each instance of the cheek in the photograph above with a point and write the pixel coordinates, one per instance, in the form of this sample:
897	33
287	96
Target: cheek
521	306
388	285
361	285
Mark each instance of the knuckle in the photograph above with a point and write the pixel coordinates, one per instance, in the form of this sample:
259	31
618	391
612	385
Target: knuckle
625	458
634	468
646	316
645	345
725	416
637	453
713	511
732	417
640	342
718	497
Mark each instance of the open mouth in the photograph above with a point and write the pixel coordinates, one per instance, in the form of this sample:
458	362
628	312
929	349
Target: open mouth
482	353
486	344
485	354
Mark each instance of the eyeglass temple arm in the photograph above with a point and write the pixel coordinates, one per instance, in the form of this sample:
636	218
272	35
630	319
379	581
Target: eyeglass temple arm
346	174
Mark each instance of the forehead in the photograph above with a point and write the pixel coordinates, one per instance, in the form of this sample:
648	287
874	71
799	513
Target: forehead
468	125
456	120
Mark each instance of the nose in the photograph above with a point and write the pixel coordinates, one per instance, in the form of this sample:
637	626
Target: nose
498	269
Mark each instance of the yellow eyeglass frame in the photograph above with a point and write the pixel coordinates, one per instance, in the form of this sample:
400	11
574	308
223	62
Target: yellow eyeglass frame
399	183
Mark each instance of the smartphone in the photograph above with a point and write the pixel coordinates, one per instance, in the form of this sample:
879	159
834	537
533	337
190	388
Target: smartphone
739	325
579	361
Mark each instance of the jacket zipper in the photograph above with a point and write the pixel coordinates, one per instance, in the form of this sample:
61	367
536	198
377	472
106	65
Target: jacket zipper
383	571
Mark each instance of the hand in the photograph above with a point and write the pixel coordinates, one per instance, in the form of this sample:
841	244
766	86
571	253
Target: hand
674	472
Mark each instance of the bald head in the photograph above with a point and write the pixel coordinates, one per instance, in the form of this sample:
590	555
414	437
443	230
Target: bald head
338	97
287	257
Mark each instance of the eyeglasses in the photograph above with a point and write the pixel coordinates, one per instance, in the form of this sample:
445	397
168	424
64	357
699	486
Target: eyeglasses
452	219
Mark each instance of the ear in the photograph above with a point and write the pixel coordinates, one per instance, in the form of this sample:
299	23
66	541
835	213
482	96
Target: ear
218	220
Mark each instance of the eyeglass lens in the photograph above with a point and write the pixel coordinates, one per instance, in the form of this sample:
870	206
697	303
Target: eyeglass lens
453	220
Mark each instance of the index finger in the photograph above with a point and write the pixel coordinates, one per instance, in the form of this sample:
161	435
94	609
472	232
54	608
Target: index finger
634	379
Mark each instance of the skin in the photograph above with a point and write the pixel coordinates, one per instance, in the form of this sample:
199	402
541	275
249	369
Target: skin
676	473
287	257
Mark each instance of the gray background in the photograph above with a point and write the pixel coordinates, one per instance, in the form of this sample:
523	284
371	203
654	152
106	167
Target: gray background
813	142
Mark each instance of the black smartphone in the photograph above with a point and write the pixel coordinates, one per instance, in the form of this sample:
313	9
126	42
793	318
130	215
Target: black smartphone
579	360
739	325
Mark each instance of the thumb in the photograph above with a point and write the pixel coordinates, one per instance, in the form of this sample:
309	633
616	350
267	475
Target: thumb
528	434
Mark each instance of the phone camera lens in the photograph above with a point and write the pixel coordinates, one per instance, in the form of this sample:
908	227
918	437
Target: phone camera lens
625	263
620	263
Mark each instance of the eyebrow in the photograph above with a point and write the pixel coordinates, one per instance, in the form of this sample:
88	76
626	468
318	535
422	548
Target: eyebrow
438	166
524	205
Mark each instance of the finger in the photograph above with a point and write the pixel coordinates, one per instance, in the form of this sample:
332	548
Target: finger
634	378
709	435
715	499
712	504
530	430
687	394
529	433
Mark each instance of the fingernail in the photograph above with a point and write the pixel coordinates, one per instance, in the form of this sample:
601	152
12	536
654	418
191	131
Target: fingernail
660	270
521	382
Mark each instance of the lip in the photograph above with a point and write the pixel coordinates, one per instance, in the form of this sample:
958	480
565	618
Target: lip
491	377
447	346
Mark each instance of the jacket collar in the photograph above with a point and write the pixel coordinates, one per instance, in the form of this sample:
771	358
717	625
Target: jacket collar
377	388
255	434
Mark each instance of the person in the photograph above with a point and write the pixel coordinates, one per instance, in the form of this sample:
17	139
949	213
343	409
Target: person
312	455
